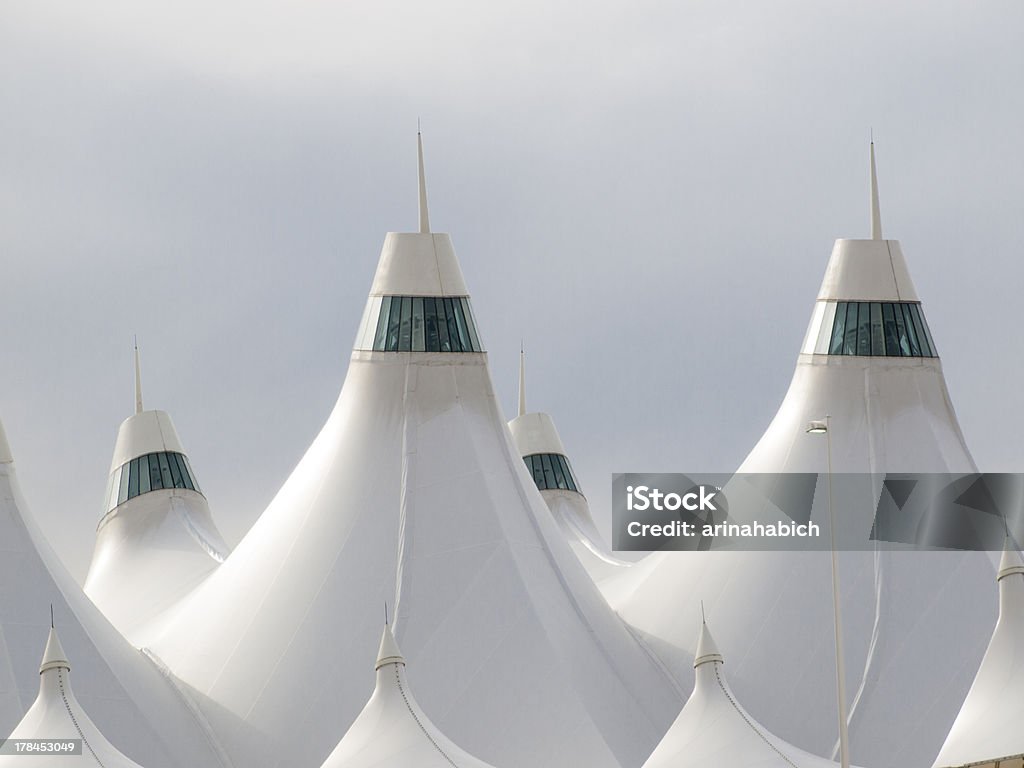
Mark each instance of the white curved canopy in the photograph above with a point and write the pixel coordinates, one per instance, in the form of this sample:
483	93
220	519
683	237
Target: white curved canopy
393	731
990	725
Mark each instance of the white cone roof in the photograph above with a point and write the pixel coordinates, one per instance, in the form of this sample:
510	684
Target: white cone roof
56	715
888	414
714	729
414	490
393	731
535	433
990	725
155	547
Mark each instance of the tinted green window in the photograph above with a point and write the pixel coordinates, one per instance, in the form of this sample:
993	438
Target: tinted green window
426	324
152	472
551	471
889	329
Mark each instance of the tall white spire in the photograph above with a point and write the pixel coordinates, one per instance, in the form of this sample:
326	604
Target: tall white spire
522	381
876	213
424	217
138	379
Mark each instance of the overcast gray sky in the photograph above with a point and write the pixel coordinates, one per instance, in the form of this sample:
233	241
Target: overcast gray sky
646	193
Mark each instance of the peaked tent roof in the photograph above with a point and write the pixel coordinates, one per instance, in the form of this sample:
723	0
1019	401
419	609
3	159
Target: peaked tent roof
413	494
393	731
535	434
714	728
156	539
56	715
888	414
989	725
128	695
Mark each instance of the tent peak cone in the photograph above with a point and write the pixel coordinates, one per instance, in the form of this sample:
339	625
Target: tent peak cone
707	650
156	538
869	361
54	656
537	440
414	489
389	652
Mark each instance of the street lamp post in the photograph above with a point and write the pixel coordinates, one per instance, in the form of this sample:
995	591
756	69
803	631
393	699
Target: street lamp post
822	427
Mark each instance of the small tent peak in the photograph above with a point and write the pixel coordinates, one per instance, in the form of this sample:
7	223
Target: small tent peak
707	650
54	656
389	652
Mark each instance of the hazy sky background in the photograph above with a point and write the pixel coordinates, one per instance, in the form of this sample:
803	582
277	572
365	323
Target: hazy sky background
646	193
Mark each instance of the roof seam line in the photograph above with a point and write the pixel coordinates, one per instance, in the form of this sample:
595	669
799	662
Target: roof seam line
746	719
408	706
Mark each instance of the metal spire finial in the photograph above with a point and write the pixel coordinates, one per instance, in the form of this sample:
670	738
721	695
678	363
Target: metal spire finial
138	379
876	213
424	216
522	380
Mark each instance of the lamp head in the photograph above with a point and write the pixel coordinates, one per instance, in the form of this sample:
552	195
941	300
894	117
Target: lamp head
817	427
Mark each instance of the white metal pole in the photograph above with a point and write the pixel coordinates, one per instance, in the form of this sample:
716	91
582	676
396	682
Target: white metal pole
844	738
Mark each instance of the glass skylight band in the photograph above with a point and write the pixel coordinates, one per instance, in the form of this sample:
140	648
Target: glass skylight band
869	329
551	471
152	472
418	324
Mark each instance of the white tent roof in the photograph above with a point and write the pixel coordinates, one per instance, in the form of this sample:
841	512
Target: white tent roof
535	433
56	715
393	731
413	494
126	694
914	621
154	547
990	725
714	729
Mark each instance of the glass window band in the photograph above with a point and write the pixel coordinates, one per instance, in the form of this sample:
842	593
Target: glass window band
152	472
869	329
419	324
551	472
